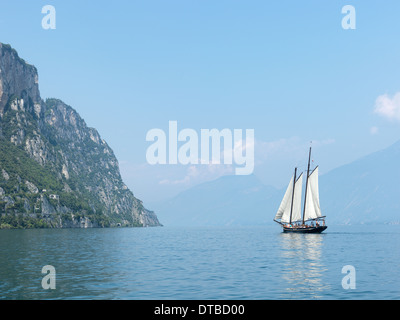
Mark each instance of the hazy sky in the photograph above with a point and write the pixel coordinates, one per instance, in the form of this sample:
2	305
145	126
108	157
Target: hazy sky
286	69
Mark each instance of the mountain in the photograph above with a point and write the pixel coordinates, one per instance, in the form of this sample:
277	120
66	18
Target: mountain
364	191
54	170
229	200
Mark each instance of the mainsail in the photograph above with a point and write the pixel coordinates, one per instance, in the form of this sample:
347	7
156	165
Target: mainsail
296	214
312	208
286	209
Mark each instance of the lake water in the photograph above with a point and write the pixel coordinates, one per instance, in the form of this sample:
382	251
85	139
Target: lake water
201	263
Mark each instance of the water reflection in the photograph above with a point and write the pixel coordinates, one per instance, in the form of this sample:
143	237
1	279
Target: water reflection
302	265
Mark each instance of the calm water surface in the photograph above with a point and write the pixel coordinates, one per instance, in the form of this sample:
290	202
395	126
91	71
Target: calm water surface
201	263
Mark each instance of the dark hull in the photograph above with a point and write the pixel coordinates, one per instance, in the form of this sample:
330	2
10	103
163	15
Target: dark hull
318	229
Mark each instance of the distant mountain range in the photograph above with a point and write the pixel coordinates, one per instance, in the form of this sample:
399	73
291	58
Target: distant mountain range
364	191
229	200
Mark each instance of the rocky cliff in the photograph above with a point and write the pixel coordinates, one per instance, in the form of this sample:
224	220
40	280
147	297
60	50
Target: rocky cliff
54	170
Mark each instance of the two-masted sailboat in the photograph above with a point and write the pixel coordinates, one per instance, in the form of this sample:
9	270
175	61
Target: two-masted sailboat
289	212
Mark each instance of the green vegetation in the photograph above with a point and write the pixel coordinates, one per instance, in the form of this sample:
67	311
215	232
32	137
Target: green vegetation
20	167
21	222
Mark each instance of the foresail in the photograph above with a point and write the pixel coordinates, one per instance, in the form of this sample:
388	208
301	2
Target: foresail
312	210
284	209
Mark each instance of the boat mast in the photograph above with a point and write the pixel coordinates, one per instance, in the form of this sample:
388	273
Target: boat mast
291	206
305	196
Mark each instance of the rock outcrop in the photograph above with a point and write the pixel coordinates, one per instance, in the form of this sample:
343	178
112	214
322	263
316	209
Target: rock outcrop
55	170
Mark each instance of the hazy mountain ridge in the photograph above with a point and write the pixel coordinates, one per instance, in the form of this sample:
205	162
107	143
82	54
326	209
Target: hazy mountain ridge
364	191
57	172
229	200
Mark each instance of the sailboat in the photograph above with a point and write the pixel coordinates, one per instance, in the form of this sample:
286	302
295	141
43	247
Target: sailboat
289	213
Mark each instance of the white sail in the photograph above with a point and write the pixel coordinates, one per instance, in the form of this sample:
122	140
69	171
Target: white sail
312	209
296	214
284	209
286	205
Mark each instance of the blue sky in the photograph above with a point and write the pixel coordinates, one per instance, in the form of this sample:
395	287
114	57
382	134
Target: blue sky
286	69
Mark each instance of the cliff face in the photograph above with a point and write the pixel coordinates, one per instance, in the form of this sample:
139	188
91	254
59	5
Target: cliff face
55	171
16	77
